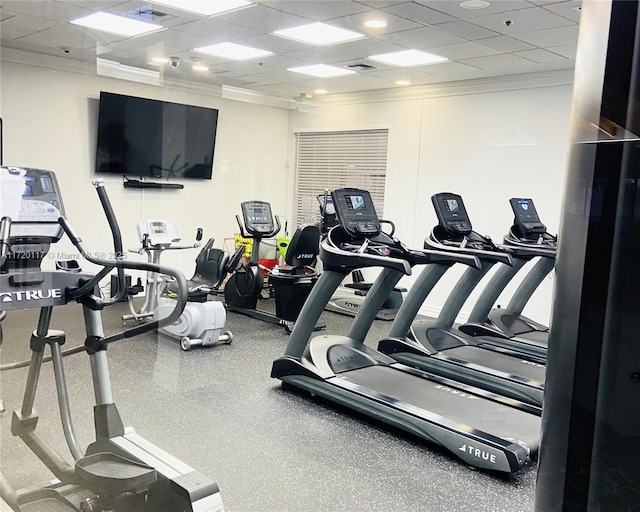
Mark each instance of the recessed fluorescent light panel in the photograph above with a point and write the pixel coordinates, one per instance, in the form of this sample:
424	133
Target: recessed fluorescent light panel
114	24
319	34
233	51
321	70
408	58
205	7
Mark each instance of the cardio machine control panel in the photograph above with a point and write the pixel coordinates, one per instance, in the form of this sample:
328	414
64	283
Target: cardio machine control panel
454	229
257	216
527	228
452	215
158	232
31	199
355	212
526	216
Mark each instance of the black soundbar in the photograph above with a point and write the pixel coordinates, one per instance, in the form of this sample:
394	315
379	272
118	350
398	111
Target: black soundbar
151	184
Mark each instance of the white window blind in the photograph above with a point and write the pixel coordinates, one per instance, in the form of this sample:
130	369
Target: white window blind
331	160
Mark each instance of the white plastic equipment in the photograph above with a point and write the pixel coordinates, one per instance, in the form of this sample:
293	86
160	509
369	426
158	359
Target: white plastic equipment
201	323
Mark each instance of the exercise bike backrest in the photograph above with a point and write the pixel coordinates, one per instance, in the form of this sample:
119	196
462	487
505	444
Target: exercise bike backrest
32	215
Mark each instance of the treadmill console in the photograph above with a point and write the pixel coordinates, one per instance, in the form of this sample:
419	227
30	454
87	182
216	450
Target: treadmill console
355	212
158	232
257	216
31	199
526	216
452	215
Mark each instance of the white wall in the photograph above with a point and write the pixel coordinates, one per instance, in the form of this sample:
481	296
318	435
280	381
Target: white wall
50	122
487	146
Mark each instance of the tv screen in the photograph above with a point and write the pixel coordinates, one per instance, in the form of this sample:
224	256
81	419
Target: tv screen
156	139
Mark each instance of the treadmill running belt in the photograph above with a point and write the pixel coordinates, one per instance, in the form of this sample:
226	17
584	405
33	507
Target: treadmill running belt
510	365
459	407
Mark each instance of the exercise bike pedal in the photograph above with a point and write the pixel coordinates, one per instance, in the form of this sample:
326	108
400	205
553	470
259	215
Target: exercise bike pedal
111	473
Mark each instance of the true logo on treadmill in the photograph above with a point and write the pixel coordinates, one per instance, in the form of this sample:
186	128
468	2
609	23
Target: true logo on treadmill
531	363
478	453
456	392
53	293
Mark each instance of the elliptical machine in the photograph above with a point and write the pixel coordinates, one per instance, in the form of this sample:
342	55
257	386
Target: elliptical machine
202	321
120	471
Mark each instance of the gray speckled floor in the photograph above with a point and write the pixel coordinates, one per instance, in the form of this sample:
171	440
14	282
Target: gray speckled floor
218	410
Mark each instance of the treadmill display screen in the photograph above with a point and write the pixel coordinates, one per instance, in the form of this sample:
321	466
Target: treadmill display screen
355	203
355	211
526	216
451	213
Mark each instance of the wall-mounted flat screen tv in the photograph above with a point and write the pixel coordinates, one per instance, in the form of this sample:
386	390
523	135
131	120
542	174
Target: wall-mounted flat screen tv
155	139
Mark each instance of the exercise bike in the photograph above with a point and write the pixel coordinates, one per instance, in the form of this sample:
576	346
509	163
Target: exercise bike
291	286
120	471
202	321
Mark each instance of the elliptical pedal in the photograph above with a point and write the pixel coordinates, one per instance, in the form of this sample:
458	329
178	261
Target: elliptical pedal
45	500
112	473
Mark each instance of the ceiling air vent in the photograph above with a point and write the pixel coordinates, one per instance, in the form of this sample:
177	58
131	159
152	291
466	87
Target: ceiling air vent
361	66
147	13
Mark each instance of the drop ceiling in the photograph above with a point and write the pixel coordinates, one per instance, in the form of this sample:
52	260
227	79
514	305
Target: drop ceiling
507	37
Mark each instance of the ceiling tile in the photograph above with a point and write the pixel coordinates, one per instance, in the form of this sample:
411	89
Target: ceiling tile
466	30
317	10
569	10
55	11
49	41
505	60
524	20
356	22
453	8
569	50
340	52
540	55
421	13
466	50
449	69
551	37
421	38
216	30
30	23
263	18
171	40
506	43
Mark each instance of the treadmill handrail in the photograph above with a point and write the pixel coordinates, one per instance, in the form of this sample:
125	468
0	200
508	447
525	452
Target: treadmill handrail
502	256
427	256
530	251
347	260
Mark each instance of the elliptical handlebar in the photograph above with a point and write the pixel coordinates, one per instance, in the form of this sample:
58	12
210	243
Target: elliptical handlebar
5	230
120	264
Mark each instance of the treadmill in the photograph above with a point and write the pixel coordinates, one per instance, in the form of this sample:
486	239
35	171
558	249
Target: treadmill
435	345
348	297
483	429
508	327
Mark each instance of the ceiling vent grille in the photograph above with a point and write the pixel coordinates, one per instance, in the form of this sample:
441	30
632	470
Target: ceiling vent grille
147	13
361	66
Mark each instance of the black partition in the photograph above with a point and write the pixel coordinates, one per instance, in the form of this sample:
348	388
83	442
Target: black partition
590	449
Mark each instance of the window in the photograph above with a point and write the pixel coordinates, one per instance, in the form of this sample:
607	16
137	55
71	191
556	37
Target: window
330	160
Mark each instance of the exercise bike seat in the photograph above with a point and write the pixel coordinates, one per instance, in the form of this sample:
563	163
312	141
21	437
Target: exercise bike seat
211	269
303	249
